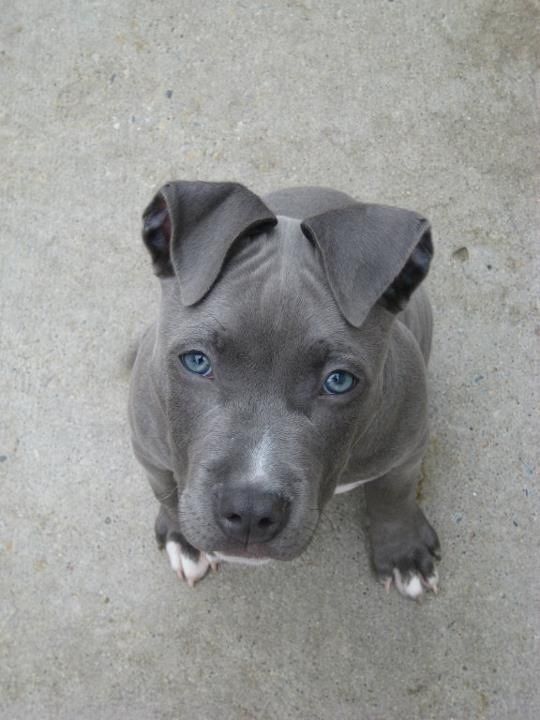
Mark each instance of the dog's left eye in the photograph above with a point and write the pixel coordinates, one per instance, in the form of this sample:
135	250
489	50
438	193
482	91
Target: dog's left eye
339	382
196	362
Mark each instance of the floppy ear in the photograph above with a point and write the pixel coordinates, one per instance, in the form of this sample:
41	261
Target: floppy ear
371	253
190	226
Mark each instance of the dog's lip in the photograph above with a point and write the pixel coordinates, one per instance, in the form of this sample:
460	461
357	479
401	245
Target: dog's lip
256	552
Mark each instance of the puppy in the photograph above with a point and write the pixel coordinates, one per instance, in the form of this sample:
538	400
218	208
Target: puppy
287	364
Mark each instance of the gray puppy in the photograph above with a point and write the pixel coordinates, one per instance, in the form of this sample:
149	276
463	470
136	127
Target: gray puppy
287	364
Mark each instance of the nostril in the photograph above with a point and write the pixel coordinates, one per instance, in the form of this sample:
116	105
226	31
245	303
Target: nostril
234	518
265	522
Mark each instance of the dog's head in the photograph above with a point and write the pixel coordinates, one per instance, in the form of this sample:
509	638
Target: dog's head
271	341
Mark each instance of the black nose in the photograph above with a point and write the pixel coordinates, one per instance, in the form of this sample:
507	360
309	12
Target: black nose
249	515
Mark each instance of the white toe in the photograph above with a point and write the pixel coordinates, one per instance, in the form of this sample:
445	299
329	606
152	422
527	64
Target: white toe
409	586
174	551
194	569
387	583
185	567
433	582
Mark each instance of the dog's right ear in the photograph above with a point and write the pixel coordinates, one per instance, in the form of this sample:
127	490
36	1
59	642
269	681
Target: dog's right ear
189	227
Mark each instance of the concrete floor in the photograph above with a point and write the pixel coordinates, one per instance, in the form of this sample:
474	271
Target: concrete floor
426	105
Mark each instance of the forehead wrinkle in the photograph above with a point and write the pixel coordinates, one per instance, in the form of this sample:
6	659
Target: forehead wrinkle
325	347
282	308
206	332
290	259
287	260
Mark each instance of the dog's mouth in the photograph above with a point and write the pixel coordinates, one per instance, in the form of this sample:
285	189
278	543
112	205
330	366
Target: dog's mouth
253	554
252	551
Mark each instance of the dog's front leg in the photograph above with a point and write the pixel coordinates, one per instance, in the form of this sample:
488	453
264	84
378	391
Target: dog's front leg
404	545
188	563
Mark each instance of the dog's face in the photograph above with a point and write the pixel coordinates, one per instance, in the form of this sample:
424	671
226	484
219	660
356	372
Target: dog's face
266	386
266	395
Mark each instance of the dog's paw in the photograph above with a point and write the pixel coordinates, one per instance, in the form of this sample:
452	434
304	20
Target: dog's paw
187	562
191	565
404	555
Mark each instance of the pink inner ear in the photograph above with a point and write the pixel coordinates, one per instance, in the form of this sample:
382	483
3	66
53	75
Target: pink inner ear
166	225
157	230
161	224
157	225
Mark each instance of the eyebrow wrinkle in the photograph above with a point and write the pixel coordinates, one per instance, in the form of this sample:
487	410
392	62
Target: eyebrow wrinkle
326	347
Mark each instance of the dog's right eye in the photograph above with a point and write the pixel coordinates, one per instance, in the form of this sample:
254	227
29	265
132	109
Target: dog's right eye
197	362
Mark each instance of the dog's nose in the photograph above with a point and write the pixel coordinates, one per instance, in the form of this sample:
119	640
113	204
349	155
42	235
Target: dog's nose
249	515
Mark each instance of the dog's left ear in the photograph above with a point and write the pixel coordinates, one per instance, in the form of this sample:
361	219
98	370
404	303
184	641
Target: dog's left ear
371	253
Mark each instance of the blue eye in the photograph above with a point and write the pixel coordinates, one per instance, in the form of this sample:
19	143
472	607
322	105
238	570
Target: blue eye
196	362
339	382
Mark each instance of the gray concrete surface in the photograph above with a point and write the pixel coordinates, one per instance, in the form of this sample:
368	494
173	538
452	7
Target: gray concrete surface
422	104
